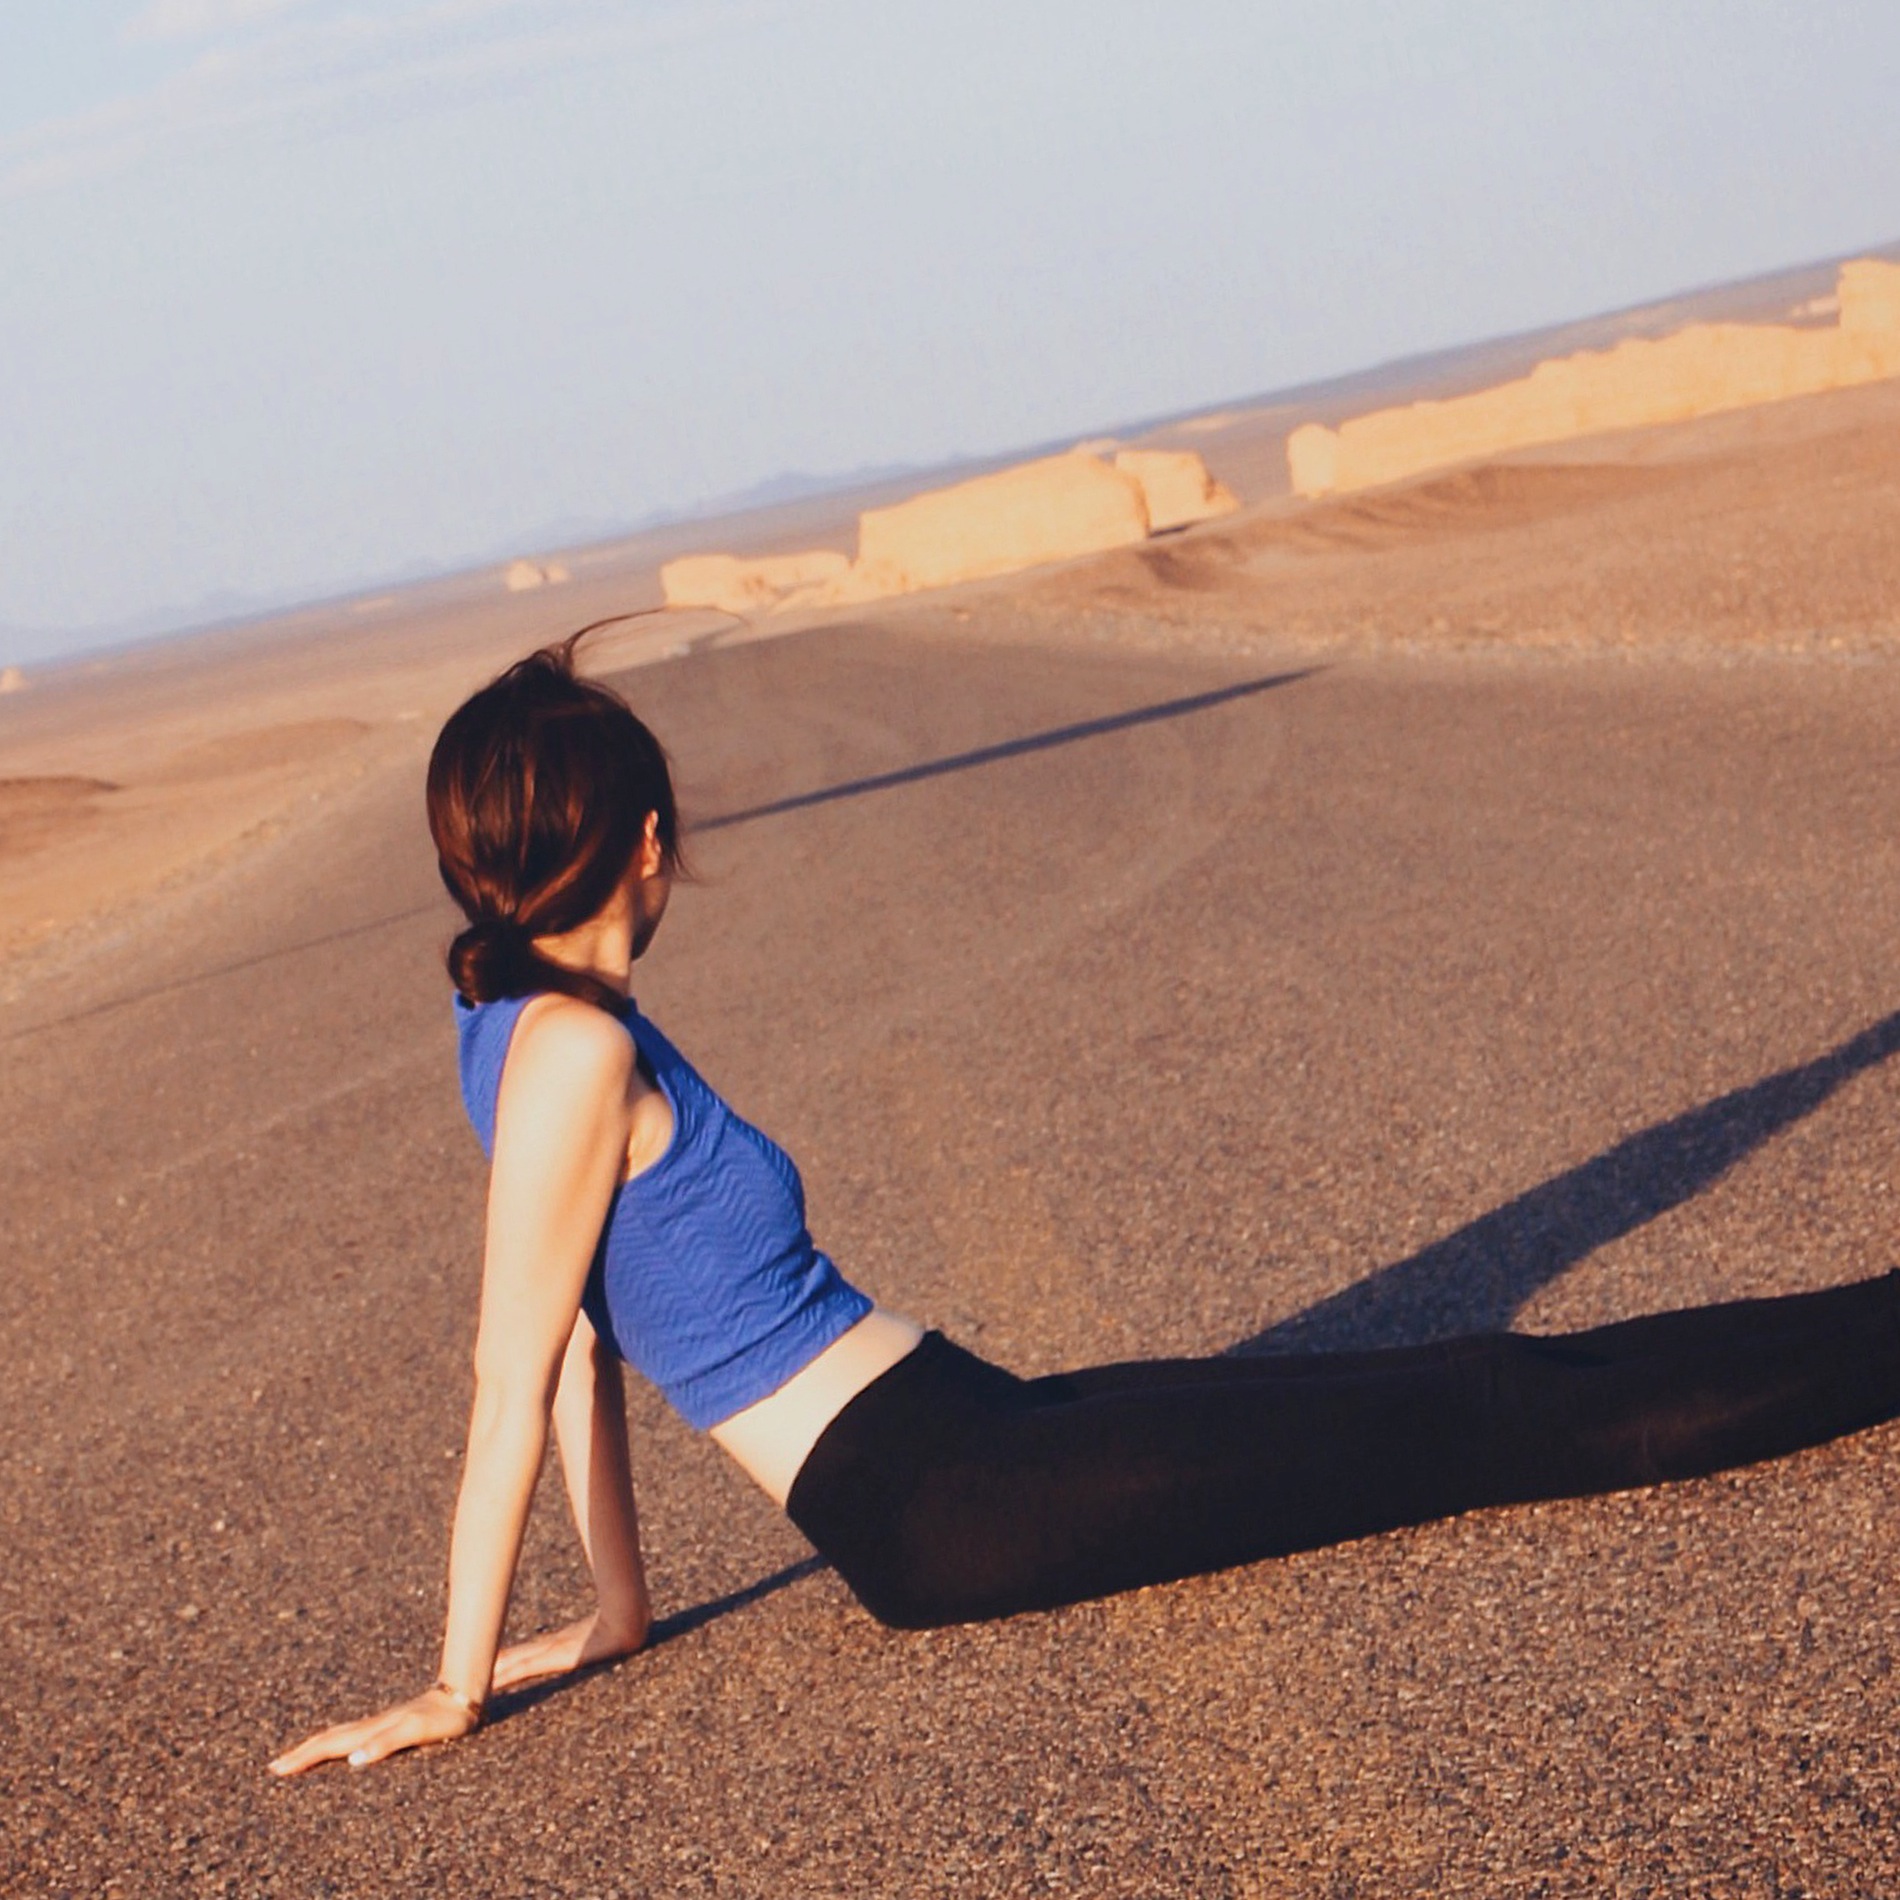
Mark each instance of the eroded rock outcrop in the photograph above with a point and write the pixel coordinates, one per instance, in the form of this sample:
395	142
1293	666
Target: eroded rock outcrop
1175	486
1698	371
520	577
1057	508
1037	512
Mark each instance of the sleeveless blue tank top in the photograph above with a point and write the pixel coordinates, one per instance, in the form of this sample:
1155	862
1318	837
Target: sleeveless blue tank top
706	1280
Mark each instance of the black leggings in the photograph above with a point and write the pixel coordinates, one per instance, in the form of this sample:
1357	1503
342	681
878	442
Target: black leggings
949	1490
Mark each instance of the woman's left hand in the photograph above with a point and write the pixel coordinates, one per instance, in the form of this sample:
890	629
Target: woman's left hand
428	1717
557	1652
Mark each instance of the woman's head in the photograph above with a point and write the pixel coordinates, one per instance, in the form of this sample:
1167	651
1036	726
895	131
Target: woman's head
543	791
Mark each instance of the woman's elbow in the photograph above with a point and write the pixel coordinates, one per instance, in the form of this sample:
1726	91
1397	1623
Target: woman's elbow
510	1398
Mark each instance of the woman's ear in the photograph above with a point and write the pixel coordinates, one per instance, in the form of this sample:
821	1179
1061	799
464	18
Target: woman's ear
651	856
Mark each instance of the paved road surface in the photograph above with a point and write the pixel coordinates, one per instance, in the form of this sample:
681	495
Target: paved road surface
1375	1000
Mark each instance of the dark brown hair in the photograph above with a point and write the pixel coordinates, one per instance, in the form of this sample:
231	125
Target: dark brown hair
540	787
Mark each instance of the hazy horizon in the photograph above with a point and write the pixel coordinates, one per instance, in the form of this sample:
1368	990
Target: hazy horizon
300	299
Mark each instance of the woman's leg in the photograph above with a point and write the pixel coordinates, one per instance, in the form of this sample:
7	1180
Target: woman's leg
950	1491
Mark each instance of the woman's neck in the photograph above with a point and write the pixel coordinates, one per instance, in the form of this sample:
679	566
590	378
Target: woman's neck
601	948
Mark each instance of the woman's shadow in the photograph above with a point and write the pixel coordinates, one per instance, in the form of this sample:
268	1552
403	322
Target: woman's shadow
1479	1278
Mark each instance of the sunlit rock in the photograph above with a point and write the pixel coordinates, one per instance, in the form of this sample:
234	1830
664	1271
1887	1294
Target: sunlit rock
1051	510
1055	509
1698	371
1175	486
521	577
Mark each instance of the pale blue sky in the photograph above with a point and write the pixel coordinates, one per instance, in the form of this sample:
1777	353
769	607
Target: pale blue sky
294	293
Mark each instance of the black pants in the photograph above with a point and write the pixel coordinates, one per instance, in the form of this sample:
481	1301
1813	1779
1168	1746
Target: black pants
949	1490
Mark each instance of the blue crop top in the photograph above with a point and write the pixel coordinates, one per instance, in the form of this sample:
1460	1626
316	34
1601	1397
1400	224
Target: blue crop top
705	1280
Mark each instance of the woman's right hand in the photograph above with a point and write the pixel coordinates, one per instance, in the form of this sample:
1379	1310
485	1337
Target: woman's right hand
431	1716
556	1652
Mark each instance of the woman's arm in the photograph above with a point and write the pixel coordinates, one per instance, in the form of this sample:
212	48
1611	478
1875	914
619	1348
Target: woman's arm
590	1426
561	1131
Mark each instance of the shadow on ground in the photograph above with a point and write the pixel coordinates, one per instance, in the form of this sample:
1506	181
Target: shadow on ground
1007	749
667	1629
1477	1279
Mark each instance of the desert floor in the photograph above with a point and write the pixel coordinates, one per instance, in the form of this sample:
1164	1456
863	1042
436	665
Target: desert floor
1472	905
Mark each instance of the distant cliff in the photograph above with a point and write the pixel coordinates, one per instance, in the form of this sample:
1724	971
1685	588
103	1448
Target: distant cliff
1698	371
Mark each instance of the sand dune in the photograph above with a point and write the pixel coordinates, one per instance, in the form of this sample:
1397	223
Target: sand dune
1765	529
220	744
38	814
1491	496
258	749
75	847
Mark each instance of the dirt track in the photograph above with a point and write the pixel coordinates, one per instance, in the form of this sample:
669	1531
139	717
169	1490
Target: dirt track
1395	996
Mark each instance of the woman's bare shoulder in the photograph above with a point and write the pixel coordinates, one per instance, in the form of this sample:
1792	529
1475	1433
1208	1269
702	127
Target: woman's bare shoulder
568	1048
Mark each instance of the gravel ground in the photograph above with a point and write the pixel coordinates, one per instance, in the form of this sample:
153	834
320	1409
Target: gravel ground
1398	996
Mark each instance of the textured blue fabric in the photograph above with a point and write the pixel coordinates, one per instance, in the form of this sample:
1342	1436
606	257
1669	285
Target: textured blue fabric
706	1280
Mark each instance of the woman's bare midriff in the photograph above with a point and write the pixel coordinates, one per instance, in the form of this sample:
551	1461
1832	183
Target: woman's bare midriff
772	1438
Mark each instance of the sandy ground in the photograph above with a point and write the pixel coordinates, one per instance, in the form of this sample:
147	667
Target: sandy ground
130	784
1532	970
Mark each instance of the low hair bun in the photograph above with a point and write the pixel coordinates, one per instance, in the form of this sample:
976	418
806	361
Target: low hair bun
491	959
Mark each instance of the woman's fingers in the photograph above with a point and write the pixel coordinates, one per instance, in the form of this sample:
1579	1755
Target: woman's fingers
330	1744
520	1662
427	1718
386	1739
555	1652
523	1663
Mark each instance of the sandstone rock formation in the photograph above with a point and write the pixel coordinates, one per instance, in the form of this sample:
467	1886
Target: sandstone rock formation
1050	510
736	586
1175	486
1054	509
519	577
1697	371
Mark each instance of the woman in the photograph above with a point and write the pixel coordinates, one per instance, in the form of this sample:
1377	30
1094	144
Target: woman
632	1215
